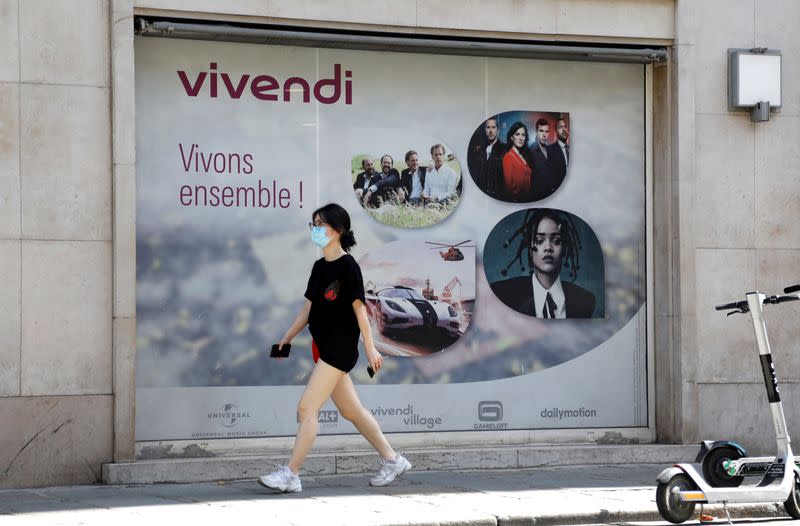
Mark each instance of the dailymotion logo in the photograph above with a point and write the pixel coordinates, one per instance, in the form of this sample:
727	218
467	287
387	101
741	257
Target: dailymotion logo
559	414
490	413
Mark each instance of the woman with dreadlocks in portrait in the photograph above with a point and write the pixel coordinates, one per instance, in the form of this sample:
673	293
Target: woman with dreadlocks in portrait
549	240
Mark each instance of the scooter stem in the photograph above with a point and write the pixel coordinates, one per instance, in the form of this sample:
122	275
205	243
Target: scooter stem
755	301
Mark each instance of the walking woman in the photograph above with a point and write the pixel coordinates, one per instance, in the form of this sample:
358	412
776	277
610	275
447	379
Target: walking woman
335	314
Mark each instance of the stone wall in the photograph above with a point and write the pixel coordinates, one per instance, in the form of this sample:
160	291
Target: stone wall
738	190
55	242
726	206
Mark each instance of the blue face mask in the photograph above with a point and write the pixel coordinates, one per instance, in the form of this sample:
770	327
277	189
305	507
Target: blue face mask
318	237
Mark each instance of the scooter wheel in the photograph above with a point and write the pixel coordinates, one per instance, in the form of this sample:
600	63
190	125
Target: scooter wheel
713	470
669	504
792	504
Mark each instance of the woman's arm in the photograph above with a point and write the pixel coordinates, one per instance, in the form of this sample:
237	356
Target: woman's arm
299	322
373	356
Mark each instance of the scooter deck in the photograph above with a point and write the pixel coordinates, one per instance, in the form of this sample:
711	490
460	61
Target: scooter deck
776	489
750	466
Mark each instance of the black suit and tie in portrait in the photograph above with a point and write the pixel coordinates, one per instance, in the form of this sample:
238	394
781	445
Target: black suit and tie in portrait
543	169
543	173
485	159
517	293
549	239
558	155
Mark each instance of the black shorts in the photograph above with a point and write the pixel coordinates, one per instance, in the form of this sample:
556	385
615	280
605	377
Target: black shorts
341	358
344	361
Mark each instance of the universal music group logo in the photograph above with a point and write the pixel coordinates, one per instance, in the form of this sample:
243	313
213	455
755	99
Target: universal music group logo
230	416
490	414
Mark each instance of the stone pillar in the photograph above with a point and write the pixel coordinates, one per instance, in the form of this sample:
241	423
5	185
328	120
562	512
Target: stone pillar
123	120
55	242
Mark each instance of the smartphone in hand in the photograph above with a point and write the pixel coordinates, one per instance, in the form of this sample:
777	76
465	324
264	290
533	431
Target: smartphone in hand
370	371
282	352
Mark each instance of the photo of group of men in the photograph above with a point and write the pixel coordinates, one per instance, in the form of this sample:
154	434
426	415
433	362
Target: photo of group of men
392	192
520	156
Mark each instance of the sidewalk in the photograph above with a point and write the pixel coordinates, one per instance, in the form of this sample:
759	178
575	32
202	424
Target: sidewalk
541	496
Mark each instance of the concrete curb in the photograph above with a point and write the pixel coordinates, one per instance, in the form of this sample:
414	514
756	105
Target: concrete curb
209	469
606	516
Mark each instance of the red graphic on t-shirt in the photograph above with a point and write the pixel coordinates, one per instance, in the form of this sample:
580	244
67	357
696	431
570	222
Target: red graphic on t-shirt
332	292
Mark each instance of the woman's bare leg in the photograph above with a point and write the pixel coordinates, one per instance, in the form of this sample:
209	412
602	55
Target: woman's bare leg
323	380
346	399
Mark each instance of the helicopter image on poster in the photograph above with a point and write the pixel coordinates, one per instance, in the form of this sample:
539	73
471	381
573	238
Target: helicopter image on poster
452	253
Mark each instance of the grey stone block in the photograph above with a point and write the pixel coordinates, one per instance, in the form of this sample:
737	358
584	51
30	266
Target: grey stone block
593	454
508	457
207	469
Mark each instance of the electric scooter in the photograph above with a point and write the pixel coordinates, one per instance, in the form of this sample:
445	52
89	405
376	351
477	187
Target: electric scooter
728	474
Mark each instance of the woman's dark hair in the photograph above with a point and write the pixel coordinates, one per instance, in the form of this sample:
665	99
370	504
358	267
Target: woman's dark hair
339	220
527	231
525	150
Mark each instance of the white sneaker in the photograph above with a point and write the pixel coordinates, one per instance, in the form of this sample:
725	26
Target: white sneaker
390	470
282	479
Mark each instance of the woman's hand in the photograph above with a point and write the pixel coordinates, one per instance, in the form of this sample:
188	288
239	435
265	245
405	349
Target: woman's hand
281	343
300	321
374	358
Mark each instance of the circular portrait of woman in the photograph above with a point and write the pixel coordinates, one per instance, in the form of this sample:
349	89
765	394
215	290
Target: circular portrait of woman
520	156
546	263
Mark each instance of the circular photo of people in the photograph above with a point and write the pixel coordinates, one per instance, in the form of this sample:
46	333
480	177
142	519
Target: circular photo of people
520	156
546	263
420	295
408	188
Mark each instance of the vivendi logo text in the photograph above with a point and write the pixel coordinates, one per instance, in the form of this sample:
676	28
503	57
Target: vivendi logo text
216	83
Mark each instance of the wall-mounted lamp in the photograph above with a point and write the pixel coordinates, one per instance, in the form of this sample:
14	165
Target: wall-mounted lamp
754	81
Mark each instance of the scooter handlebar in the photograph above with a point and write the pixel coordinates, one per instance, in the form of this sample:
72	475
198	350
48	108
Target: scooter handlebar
734	305
742	305
784	299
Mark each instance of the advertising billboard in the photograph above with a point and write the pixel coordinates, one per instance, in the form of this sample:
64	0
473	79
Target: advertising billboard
498	207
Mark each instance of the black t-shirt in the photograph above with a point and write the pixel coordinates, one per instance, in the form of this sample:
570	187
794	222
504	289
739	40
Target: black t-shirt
332	288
